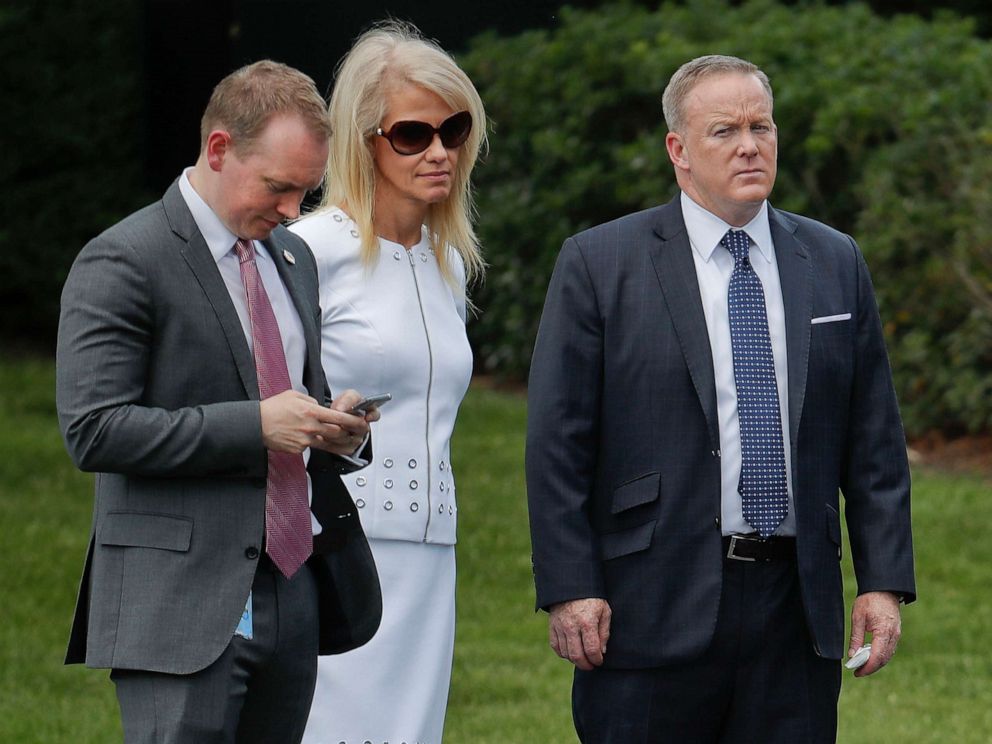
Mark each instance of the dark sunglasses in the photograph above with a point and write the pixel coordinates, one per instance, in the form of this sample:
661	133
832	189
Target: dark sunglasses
413	137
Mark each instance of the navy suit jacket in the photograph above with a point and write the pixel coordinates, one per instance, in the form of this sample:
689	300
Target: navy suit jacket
623	447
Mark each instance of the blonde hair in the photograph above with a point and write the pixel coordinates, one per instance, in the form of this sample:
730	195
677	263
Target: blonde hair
686	77
245	101
394	53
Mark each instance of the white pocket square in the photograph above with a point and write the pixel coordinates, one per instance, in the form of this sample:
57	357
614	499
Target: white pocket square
831	318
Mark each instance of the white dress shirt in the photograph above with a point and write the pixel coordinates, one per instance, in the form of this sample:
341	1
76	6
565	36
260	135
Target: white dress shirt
714	265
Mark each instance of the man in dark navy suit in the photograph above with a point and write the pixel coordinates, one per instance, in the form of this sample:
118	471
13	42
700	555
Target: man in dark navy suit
708	376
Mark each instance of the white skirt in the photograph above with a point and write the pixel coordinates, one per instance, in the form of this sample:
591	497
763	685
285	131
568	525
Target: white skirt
394	688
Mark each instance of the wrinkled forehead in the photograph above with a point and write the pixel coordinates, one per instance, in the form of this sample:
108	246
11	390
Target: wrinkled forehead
729	94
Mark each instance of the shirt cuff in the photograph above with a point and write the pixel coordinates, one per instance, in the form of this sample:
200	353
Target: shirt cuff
354	458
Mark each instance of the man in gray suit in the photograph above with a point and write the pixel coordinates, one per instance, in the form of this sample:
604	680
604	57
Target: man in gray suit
708	375
189	380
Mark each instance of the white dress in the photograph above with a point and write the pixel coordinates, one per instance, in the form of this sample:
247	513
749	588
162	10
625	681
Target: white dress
395	327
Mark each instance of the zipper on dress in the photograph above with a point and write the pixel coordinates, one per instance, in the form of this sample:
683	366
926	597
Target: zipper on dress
430	381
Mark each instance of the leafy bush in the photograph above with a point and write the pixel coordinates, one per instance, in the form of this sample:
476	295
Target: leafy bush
884	132
71	142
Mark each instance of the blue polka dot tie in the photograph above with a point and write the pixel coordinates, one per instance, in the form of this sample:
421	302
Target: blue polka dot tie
764	494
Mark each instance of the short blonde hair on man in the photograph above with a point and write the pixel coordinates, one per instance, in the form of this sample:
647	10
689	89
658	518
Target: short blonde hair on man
388	55
245	101
689	74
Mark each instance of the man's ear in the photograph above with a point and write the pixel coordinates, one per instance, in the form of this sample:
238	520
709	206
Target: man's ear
677	151
217	148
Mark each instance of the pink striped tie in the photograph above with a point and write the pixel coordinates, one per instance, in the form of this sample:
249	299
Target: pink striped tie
289	539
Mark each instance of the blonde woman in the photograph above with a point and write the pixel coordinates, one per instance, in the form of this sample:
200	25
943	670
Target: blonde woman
395	247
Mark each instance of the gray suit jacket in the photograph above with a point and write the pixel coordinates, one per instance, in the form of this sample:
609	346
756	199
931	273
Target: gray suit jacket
623	461
157	394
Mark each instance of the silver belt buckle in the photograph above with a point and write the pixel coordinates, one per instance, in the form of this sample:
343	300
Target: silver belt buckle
733	545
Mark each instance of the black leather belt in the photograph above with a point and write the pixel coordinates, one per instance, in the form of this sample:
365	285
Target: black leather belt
753	548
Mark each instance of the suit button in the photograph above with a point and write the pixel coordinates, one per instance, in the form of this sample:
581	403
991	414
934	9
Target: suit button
251	552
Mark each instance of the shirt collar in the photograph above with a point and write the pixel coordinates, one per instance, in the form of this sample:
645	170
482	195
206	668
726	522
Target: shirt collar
219	239
706	230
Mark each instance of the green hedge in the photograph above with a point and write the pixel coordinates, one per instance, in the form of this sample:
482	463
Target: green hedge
884	131
71	145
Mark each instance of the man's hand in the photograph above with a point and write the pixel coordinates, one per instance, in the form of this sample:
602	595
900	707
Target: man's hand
876	613
292	421
578	631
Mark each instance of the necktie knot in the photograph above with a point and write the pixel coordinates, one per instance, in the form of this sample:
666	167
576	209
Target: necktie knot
244	249
738	243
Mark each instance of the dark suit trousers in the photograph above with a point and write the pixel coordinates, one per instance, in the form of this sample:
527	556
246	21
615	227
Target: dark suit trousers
259	690
760	680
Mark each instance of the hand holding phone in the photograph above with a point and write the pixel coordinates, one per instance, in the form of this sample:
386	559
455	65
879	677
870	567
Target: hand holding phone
369	403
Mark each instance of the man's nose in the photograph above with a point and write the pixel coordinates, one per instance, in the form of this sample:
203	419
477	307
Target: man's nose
748	146
289	206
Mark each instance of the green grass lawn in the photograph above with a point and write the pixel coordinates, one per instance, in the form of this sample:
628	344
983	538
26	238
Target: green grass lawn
507	686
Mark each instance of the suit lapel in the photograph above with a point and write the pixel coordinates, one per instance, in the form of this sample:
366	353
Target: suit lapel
671	255
197	255
289	264
795	272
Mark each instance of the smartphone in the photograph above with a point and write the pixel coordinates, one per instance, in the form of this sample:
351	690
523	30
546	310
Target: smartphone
369	402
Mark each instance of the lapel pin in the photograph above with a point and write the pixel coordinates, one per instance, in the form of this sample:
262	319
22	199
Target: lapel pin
290	258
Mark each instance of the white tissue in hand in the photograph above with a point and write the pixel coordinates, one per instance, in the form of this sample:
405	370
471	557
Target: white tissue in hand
860	657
